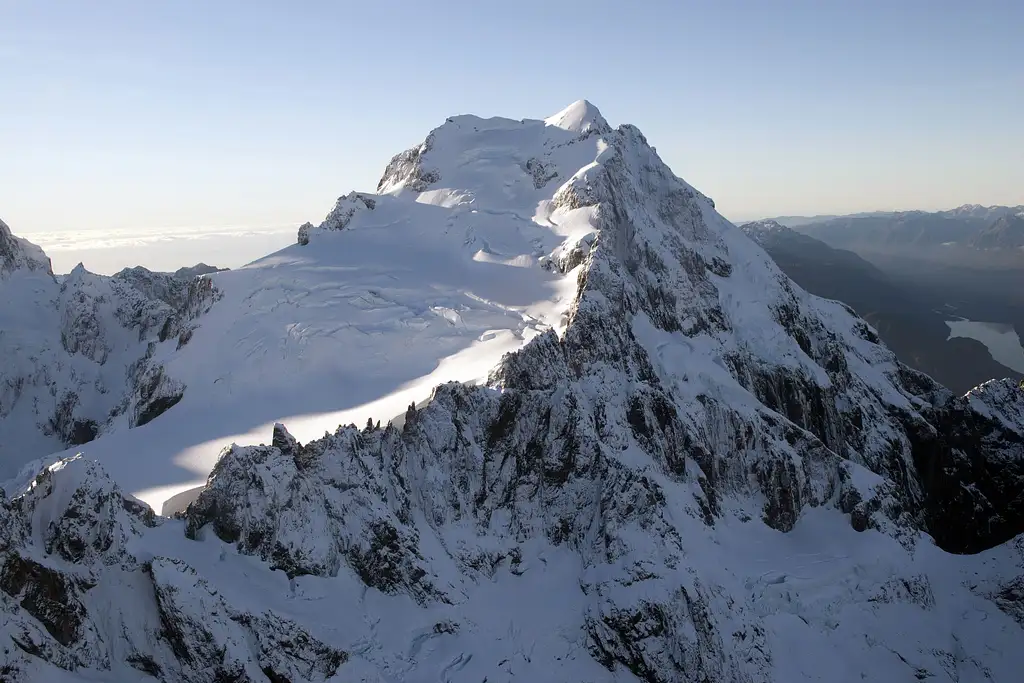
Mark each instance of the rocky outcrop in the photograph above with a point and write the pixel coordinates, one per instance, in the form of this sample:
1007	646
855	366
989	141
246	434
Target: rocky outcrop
340	216
542	172
153	394
304	232
407	170
362	517
98	314
176	289
88	519
197	298
70	523
20	254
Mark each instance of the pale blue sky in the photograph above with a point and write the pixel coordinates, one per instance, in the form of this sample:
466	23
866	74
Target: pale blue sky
129	114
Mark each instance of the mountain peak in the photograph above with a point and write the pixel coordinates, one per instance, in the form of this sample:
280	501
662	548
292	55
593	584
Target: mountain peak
579	117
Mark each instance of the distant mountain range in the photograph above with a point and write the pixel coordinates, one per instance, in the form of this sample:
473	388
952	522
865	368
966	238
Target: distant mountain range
1006	231
909	317
970	225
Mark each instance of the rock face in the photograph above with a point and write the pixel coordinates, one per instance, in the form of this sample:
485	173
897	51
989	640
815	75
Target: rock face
707	475
174	289
79	349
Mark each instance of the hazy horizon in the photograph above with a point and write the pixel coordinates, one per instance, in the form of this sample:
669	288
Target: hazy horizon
128	116
57	234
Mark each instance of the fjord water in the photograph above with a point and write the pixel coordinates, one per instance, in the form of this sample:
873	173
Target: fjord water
1001	340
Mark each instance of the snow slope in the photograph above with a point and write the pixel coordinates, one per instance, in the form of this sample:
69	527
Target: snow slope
660	460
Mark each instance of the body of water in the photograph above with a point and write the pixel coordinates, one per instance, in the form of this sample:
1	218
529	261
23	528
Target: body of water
1000	339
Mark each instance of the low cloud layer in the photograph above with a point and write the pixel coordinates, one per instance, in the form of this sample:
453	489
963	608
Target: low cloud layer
108	251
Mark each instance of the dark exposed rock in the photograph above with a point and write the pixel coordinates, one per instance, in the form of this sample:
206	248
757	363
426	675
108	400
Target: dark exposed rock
546	436
178	289
340	216
449	627
971	467
48	595
156	408
91	353
157	393
90	520
283	441
83	431
69	428
542	172
145	664
1010	599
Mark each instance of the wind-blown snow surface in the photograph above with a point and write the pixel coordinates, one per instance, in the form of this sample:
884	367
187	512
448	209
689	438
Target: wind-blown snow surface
687	468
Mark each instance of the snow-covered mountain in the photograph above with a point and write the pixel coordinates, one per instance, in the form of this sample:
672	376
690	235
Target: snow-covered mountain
615	443
970	225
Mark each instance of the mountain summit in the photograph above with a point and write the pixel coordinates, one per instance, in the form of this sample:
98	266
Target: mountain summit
606	439
579	117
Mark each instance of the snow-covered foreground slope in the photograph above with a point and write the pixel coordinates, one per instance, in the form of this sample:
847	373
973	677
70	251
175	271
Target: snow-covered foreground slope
97	589
660	460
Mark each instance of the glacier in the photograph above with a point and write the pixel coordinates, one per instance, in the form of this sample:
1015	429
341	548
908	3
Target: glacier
601	437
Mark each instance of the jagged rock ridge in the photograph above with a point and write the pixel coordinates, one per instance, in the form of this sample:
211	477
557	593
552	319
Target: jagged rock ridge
705	474
79	349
